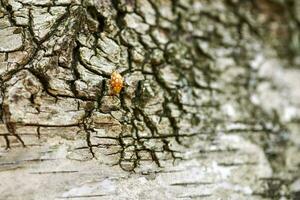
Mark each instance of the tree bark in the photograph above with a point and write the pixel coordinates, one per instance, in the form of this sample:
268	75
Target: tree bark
209	109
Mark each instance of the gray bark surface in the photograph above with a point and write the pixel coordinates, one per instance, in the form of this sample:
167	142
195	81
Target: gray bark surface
210	108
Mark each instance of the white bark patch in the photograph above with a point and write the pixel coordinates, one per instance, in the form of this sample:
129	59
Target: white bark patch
44	20
10	40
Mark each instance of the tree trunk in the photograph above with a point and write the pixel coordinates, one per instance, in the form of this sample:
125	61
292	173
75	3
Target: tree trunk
209	109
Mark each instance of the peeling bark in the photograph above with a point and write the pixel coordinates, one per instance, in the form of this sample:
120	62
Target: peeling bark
209	109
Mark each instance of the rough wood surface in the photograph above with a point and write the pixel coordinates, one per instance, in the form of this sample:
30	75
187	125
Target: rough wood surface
210	107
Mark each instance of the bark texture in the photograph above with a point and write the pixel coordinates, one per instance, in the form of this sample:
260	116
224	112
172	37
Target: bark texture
210	107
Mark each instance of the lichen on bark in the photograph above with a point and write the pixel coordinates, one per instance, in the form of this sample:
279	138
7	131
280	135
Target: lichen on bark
195	104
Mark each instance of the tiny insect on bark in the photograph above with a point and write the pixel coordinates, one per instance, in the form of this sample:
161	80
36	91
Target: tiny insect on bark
116	83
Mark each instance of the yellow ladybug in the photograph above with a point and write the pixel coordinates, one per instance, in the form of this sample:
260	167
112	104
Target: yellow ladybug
116	83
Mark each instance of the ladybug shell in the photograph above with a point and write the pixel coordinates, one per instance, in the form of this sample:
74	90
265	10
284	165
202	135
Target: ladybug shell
116	82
